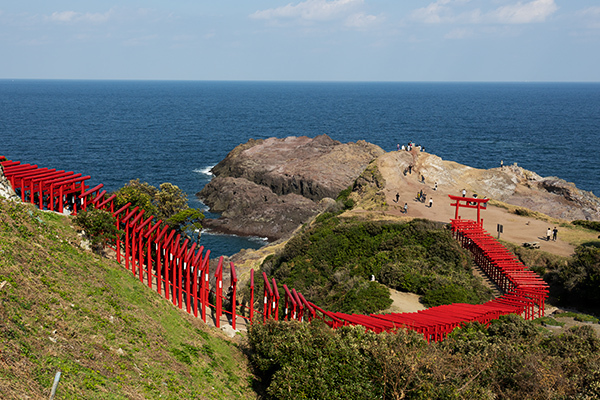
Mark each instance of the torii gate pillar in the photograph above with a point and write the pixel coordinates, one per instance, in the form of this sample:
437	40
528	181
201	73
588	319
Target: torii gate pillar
469	202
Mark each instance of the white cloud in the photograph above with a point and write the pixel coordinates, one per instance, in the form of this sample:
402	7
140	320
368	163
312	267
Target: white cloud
311	11
360	21
434	13
140	41
534	11
448	11
73	16
590	17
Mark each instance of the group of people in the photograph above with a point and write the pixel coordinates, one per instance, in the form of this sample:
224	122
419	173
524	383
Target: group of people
553	233
410	146
422	197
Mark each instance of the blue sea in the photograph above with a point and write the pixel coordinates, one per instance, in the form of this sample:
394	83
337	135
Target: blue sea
175	131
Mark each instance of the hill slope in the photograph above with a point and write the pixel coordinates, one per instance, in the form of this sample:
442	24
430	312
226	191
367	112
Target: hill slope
64	308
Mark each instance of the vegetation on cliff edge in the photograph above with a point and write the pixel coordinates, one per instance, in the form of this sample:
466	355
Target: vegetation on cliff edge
332	262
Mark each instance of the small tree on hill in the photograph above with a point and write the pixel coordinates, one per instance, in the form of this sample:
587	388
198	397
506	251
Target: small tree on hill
99	226
169	203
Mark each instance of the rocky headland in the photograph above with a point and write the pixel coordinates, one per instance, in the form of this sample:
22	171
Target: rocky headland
270	187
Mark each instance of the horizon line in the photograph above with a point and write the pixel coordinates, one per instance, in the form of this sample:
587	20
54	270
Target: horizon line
283	81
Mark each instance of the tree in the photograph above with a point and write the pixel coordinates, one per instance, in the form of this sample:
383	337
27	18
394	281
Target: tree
169	203
138	194
99	226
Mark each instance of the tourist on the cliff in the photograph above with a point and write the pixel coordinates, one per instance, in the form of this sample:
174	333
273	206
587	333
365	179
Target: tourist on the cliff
548	234
397	197
554	234
422	179
464	193
430	202
435	186
398	146
405	208
501	163
410	169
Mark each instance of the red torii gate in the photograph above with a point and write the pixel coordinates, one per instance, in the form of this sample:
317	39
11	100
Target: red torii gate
469	202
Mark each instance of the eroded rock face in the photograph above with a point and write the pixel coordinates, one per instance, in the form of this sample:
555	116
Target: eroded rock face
251	209
313	168
270	187
6	189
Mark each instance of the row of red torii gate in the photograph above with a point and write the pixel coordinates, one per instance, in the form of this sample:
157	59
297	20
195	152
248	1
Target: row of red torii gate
180	270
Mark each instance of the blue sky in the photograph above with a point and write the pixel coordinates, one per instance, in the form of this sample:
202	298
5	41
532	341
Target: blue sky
316	40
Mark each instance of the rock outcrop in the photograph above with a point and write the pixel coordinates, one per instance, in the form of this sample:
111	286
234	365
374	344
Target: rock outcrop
6	190
270	187
510	184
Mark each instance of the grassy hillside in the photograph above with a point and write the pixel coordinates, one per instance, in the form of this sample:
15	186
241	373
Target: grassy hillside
64	308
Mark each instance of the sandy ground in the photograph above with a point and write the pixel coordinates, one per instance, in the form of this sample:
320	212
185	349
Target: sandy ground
516	229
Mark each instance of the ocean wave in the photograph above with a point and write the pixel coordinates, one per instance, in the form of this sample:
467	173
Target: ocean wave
205	170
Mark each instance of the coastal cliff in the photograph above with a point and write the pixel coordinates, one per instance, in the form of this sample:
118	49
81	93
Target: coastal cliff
270	187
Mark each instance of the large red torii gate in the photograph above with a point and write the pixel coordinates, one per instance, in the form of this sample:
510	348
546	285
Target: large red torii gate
469	202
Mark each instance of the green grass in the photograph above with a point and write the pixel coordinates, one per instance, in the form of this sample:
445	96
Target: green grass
578	317
67	309
548	321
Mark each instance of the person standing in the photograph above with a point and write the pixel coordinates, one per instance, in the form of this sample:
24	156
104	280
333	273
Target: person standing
554	234
464	193
405	208
430	202
548	233
397	197
435	186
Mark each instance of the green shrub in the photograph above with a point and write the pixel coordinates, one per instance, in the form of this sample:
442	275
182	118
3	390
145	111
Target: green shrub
523	212
511	359
99	226
593	225
331	262
548	321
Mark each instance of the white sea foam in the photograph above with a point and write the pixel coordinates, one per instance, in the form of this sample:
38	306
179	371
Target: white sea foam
205	170
257	239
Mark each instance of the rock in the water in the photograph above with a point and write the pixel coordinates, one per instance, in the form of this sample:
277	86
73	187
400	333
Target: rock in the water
270	187
313	168
251	209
